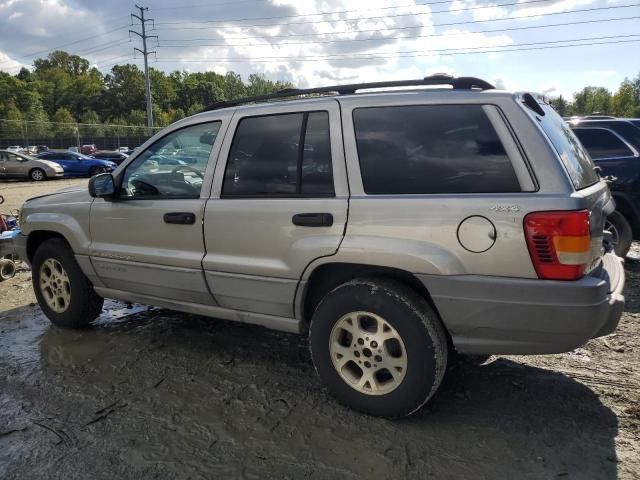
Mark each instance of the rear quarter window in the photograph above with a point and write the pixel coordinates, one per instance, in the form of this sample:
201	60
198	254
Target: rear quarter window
431	149
572	154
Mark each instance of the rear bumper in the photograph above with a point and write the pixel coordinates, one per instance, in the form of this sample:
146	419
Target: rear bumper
496	315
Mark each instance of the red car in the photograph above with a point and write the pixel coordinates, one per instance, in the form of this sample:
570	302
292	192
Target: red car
88	149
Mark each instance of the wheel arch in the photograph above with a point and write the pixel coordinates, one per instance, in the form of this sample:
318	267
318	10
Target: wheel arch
327	276
37	238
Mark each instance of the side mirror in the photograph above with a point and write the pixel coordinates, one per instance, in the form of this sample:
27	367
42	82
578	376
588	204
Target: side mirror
102	186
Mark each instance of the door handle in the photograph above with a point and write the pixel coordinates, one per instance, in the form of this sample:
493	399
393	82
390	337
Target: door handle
181	218
312	219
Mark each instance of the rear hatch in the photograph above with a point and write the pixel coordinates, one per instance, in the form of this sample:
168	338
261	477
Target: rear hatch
591	191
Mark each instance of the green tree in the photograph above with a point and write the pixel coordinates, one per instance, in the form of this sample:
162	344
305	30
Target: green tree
624	100
64	123
592	100
124	90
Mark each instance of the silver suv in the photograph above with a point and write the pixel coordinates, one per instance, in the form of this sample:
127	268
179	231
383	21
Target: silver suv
391	227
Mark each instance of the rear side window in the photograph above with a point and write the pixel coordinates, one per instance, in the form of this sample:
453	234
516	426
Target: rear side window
423	149
287	155
602	143
575	159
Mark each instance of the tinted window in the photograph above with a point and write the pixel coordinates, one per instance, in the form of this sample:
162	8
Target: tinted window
280	155
431	149
169	168
575	159
602	143
317	174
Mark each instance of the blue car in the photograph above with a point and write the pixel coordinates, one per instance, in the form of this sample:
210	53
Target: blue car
78	165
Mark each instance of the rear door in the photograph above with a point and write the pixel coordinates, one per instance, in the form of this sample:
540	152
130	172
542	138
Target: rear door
279	201
14	166
612	153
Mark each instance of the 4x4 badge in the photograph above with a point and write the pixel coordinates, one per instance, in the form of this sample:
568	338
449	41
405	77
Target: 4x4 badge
505	208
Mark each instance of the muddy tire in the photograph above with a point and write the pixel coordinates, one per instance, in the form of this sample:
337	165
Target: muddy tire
621	232
64	293
37	175
378	346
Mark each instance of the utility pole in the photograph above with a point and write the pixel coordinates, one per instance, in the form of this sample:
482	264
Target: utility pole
145	53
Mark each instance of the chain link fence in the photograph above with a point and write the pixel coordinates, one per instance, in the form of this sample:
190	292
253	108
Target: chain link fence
65	135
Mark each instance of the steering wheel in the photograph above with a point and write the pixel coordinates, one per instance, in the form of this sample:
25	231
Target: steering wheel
187	167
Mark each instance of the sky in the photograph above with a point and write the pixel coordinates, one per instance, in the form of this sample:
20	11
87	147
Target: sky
327	42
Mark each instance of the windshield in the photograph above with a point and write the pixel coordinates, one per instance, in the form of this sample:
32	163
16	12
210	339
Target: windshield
573	155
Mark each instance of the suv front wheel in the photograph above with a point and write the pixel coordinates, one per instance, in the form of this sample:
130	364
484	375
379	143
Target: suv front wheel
378	346
64	293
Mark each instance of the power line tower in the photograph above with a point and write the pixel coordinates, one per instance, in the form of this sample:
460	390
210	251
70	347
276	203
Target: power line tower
145	53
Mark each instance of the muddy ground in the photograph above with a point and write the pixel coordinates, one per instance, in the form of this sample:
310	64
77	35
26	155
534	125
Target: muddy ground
149	393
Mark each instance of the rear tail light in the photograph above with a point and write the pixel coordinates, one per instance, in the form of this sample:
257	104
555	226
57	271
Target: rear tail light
559	243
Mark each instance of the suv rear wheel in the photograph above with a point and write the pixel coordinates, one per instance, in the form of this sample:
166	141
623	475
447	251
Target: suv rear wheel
64	293
378	346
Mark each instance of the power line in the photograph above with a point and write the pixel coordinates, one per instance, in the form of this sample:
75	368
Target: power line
372	39
445	24
412	14
338	12
415	53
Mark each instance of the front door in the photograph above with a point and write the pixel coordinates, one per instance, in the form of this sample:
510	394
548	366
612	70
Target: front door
149	239
279	201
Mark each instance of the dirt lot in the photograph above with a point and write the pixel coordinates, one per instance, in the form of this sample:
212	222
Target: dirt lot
16	192
151	393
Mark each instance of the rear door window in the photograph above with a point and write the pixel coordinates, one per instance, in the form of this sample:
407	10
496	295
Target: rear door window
428	149
602	143
285	155
574	157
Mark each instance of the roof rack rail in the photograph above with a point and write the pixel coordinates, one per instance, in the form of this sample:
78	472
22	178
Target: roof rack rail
458	83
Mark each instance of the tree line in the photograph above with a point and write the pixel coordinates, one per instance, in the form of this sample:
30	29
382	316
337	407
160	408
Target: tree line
65	89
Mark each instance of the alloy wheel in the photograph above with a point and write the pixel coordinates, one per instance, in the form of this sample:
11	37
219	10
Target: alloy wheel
54	285
368	353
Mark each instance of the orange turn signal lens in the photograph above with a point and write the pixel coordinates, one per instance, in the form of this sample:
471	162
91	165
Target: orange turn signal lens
572	244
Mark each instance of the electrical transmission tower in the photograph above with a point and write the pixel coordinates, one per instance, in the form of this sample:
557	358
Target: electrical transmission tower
145	53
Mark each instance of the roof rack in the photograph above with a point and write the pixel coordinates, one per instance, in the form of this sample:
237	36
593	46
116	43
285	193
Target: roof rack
458	83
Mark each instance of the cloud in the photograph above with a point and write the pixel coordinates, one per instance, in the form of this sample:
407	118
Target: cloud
282	39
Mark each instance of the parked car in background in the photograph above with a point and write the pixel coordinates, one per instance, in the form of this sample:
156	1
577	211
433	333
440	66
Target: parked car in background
42	148
390	227
117	157
31	150
78	165
19	165
88	149
14	148
614	146
122	149
73	149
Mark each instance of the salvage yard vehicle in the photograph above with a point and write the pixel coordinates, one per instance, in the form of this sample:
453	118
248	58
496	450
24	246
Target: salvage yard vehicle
614	146
19	165
78	165
391	227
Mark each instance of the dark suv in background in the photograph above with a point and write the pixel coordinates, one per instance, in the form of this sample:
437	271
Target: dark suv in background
614	146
